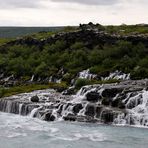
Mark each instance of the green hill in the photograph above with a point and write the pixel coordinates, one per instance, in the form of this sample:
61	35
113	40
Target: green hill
102	49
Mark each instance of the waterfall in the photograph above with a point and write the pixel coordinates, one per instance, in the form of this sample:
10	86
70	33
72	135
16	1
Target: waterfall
32	78
137	110
34	111
108	103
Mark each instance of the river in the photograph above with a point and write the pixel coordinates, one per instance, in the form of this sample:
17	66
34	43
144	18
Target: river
25	132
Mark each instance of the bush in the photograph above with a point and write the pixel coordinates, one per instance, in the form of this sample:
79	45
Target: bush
67	78
2	92
139	73
82	82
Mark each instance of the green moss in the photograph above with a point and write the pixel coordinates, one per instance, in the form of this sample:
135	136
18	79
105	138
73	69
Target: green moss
4	41
5	92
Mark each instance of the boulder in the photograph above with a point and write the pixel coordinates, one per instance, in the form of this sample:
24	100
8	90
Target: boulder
115	102
69	91
59	111
77	108
34	99
90	110
106	101
98	111
111	92
107	116
48	116
70	117
93	96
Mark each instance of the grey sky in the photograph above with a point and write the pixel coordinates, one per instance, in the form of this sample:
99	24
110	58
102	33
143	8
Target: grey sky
4	4
72	12
90	2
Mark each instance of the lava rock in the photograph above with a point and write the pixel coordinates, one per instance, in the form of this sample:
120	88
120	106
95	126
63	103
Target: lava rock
93	96
69	91
34	99
90	110
48	116
70	117
107	116
115	103
106	101
60	109
77	108
111	92
121	105
98	111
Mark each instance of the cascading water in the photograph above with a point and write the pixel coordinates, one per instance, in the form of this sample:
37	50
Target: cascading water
107	103
137	107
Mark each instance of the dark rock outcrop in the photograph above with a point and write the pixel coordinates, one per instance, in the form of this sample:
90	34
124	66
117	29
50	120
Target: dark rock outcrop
34	99
77	108
93	96
107	116
70	117
90	110
48	116
111	92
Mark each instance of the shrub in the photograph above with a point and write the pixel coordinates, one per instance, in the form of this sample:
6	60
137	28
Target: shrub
82	82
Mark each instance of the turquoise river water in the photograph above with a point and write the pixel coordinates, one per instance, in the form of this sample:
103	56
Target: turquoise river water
25	132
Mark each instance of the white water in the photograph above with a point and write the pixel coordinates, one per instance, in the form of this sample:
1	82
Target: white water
25	132
34	111
139	114
85	74
118	75
136	105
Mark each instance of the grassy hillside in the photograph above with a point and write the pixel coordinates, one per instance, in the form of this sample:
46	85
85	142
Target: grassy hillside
74	50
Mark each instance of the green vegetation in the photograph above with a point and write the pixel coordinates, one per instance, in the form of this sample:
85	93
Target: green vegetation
74	55
5	92
4	40
26	60
127	29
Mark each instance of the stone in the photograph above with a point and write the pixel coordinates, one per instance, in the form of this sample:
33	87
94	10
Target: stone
70	117
48	116
111	92
106	101
93	96
107	116
115	103
34	99
77	108
69	91
90	110
98	111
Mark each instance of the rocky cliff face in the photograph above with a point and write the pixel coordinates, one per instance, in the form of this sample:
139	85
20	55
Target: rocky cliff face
122	103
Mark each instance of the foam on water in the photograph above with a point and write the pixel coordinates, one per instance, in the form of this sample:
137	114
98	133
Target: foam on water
29	132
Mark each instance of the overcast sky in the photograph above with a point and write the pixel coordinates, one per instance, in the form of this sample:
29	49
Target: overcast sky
72	12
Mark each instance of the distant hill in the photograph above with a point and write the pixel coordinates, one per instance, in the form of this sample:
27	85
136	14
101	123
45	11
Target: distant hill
13	32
